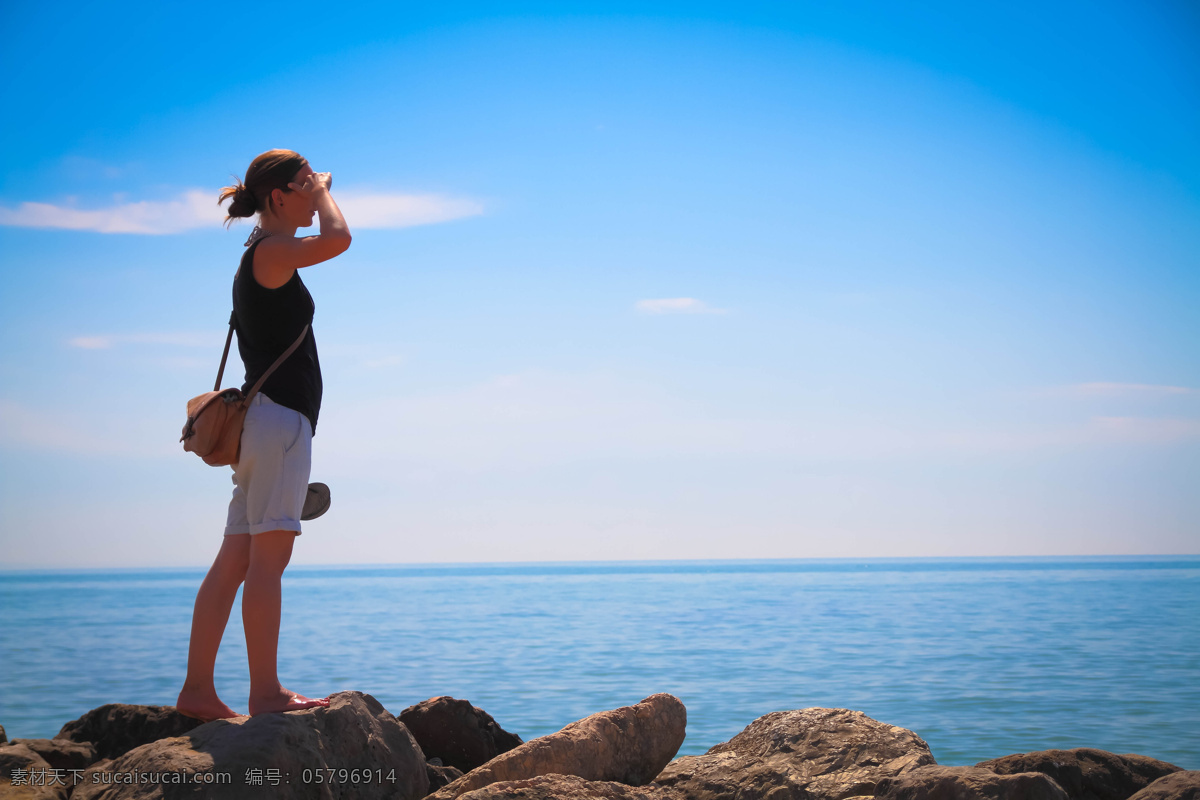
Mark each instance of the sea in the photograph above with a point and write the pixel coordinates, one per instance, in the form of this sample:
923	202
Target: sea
981	657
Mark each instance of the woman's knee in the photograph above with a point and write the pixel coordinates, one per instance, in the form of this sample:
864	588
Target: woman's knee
271	551
234	558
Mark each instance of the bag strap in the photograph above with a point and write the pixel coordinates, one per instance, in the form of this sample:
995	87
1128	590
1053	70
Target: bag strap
283	357
258	384
255	235
224	355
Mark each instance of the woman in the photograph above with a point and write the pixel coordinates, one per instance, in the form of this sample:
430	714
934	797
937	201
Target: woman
271	308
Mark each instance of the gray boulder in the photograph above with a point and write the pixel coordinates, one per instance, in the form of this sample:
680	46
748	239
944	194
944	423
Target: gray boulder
809	754
62	753
1085	773
564	787
440	775
456	732
1182	785
117	728
628	745
25	775
353	748
968	783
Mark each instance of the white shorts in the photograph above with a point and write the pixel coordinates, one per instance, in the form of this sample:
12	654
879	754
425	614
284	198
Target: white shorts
271	477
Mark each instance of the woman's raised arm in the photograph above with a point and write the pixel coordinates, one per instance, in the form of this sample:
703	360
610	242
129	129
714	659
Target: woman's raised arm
280	256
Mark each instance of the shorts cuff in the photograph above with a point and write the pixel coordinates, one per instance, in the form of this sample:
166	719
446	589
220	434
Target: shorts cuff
274	525
234	530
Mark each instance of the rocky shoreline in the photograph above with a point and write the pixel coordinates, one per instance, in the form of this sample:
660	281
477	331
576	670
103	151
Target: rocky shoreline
446	749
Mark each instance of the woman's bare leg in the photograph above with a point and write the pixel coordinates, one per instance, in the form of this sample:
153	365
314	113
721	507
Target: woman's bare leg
261	600
198	698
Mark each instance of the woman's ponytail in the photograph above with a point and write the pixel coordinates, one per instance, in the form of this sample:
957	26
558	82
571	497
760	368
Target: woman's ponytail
244	203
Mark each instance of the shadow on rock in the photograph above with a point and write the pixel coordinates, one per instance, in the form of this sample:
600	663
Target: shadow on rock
117	728
1085	773
969	783
457	733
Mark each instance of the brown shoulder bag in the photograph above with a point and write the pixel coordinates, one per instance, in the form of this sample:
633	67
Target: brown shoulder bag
213	429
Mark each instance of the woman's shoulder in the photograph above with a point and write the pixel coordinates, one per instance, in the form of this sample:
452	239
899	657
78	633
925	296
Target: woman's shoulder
249	276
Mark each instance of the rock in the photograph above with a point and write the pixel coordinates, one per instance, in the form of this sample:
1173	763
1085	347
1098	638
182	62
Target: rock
968	783
25	775
3	735
810	754
117	728
440	775
1182	785
563	787
62	753
627	745
457	732
1087	774
312	753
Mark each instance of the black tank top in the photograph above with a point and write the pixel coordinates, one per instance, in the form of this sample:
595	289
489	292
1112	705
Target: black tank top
267	321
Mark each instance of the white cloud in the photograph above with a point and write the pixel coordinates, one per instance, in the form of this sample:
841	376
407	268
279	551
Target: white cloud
1096	431
103	342
385	362
24	427
192	209
381	210
197	208
1146	430
1128	390
676	305
536	418
91	342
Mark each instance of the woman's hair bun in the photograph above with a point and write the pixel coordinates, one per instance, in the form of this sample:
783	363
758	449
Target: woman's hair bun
244	203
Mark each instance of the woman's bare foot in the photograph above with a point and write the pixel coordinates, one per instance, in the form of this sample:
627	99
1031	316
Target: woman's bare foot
202	705
283	700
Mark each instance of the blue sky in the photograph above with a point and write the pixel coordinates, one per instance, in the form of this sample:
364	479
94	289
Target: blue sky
634	281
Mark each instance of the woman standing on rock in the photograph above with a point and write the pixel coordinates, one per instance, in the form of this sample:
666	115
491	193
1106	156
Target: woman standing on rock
271	308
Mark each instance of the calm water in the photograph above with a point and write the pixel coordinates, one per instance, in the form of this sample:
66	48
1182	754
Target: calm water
981	657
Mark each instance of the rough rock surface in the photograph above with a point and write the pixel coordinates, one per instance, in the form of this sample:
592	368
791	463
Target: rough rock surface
19	758
117	728
1182	785
968	783
563	787
457	732
810	754
62	753
628	745
354	732
1085	773
440	775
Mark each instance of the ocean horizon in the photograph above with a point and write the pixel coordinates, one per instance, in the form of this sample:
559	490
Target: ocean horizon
981	657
